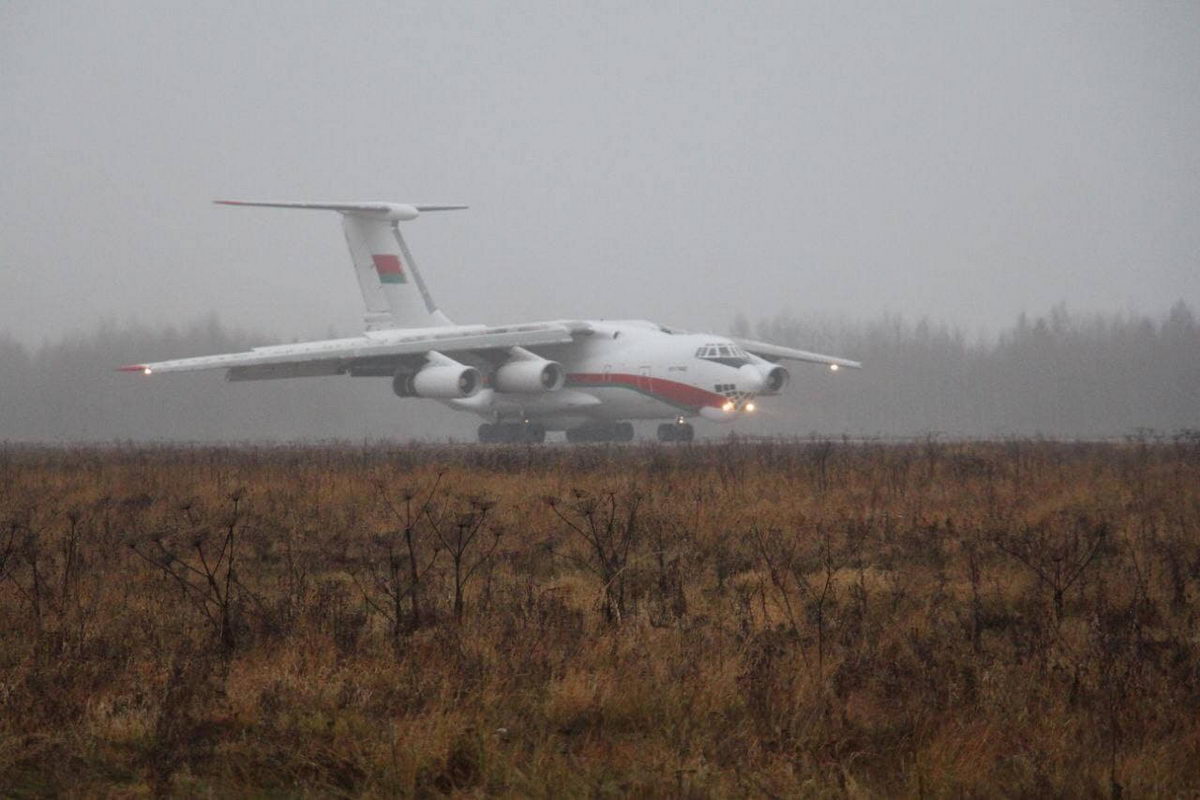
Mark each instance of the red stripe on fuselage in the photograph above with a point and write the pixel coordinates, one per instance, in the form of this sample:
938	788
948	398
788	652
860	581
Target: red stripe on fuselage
673	392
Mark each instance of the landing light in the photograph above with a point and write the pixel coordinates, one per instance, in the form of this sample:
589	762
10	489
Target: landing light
750	407
833	367
728	406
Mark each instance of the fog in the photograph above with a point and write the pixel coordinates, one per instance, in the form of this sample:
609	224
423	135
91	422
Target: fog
1061	375
831	164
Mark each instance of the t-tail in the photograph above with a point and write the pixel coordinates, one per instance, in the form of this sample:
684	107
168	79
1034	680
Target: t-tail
392	288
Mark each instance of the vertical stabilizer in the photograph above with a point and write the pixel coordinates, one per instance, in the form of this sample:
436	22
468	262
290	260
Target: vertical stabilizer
382	258
393	290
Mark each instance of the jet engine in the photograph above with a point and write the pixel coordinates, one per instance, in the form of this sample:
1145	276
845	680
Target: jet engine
775	377
442	378
529	376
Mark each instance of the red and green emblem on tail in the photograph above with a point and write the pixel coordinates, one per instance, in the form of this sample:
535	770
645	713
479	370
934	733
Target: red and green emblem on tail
389	268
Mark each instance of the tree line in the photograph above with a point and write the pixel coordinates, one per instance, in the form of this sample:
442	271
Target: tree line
1059	374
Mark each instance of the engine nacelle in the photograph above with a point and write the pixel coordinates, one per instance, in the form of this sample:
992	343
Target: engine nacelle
442	381
775	378
529	376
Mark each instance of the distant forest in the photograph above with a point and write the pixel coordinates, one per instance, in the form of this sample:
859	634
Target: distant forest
1059	375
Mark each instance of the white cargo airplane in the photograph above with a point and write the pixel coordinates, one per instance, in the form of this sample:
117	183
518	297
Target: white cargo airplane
586	377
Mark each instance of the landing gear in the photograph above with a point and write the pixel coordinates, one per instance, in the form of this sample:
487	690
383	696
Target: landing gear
676	432
602	432
512	433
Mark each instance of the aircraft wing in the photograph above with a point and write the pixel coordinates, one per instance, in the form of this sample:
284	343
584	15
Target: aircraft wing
374	353
775	352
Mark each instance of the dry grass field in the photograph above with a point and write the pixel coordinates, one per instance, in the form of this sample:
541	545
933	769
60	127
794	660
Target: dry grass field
803	619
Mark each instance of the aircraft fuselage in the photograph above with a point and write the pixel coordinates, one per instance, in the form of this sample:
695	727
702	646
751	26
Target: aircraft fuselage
632	369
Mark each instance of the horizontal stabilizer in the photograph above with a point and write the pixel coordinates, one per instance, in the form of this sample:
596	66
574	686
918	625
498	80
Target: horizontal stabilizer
394	212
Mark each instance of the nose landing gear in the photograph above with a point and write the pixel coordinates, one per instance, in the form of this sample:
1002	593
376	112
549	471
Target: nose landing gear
678	431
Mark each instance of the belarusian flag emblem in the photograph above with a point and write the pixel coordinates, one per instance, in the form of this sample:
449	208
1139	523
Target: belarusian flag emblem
389	268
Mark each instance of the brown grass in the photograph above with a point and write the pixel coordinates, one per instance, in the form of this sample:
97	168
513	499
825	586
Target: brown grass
776	619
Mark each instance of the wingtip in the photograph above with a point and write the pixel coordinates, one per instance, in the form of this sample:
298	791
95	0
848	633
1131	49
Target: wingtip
142	368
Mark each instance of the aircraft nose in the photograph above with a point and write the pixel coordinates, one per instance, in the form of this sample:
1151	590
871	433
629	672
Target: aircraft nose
750	379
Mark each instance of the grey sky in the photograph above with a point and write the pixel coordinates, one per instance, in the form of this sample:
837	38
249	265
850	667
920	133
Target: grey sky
676	161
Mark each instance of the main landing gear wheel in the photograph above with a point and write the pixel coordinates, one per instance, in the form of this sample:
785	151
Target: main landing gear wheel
676	432
512	433
602	432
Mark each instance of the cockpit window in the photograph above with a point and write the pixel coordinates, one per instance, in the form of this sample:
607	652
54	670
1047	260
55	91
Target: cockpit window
725	353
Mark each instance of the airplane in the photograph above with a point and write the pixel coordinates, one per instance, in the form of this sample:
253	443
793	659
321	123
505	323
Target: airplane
589	378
